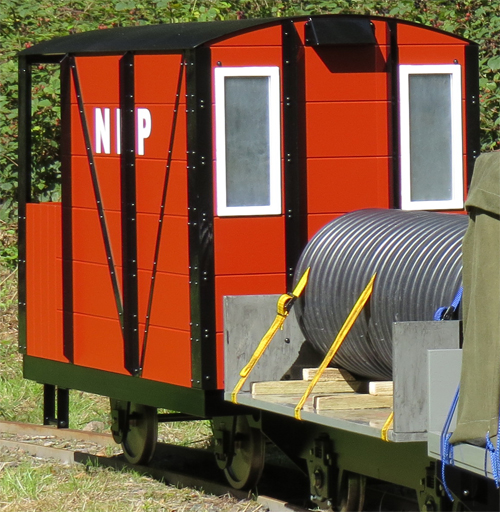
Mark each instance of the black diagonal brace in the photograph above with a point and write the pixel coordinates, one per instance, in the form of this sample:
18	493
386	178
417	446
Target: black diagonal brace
97	192
129	215
162	212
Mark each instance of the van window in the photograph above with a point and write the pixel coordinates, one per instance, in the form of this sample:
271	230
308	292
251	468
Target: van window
431	137
248	154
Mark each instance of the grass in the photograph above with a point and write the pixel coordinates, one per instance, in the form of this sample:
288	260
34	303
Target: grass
30	484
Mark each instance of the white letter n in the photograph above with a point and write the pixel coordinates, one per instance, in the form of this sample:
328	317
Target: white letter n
102	131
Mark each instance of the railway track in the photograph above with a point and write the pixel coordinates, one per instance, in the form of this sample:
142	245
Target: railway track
174	465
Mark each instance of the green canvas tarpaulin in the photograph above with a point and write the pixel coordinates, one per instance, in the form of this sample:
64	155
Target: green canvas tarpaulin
479	401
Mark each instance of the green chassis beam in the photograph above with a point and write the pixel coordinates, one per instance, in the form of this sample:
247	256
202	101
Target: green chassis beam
123	387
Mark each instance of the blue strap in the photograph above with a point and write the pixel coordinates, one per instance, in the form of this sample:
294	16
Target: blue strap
444	313
438	315
446	447
494	453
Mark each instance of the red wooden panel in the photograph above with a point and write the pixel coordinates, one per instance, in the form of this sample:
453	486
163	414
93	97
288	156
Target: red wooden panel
432	54
347	129
168	356
300	28
249	245
346	184
260	284
88	240
171	300
156	78
150	182
411	34
157	144
270	36
346	73
174	245
78	146
44	281
99	79
98	343
381	31
247	56
316	221
77	140
108	177
93	291
35	334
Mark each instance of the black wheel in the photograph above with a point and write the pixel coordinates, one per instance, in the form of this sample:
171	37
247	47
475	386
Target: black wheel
352	493
244	463
135	426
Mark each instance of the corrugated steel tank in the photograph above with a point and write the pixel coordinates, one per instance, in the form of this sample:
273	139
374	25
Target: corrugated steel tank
418	260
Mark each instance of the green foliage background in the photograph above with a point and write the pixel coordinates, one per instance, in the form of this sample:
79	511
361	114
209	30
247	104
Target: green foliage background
26	22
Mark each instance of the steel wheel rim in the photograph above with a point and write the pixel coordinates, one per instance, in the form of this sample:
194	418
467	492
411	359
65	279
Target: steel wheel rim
140	441
248	457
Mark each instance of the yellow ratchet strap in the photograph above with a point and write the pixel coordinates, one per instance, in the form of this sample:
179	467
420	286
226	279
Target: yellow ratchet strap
385	428
353	315
284	305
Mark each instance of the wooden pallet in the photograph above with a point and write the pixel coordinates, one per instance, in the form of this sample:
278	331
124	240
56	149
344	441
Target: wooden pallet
337	389
298	387
351	401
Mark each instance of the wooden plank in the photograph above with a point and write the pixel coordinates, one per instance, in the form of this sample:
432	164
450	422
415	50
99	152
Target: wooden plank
298	387
351	401
385	388
328	374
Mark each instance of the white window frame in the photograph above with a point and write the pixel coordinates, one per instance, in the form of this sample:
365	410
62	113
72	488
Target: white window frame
457	186
273	74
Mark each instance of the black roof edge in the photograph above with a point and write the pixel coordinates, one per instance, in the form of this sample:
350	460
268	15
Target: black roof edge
174	37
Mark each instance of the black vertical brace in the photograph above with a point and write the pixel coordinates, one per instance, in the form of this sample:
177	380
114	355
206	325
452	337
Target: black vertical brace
162	213
394	125
97	192
294	123
128	214
24	187
472	106
67	211
201	238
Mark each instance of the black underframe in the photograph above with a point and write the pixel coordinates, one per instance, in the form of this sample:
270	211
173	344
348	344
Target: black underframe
197	402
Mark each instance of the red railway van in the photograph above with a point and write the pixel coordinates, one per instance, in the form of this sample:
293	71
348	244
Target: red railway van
197	160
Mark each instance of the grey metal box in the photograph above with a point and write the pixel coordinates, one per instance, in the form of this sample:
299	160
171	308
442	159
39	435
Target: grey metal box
411	343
